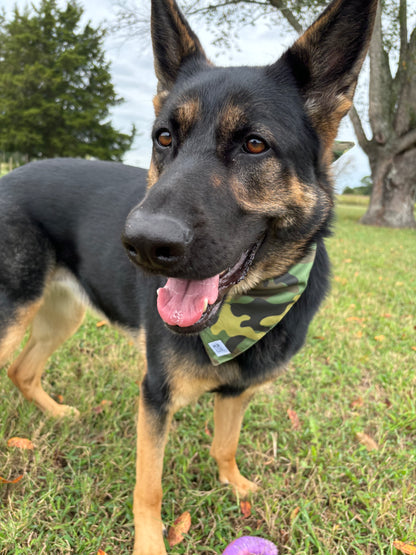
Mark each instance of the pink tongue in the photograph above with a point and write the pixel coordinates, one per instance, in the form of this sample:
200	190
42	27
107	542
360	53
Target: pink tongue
182	302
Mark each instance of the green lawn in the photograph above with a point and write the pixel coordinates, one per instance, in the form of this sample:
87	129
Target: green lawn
322	492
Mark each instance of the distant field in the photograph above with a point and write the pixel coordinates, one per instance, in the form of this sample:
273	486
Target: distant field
352	200
343	483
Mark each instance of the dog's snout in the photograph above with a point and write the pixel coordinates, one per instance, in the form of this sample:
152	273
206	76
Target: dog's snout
156	242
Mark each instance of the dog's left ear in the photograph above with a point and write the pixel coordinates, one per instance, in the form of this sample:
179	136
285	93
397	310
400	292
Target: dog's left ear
326	61
174	43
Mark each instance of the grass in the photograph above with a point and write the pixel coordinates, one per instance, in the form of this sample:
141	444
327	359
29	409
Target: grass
323	492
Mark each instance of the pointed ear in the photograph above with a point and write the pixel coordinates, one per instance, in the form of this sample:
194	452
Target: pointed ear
174	43
326	61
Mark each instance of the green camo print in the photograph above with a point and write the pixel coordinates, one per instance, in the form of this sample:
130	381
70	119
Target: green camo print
244	319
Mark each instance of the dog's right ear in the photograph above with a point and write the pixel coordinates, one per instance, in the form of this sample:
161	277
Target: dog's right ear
326	61
174	44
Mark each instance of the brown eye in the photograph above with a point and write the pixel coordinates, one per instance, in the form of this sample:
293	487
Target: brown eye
254	145
164	138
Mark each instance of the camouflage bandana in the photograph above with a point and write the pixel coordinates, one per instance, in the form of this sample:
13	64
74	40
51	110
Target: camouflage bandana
245	319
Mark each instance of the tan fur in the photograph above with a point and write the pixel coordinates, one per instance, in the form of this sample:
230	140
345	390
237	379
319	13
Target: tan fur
302	196
187	41
187	383
266	196
309	36
59	315
274	194
230	119
14	335
187	114
276	263
216	181
158	101
327	122
147	499
152	175
228	417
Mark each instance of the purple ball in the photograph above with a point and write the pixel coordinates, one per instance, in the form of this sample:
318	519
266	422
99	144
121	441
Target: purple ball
250	545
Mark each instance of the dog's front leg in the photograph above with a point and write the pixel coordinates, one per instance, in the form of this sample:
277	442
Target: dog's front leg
152	428
228	417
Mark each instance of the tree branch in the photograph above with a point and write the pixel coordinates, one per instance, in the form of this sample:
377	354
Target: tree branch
213	7
406	87
403	54
278	4
359	130
403	32
287	14
406	142
380	86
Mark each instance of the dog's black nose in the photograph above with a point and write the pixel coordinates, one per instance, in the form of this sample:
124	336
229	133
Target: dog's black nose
154	241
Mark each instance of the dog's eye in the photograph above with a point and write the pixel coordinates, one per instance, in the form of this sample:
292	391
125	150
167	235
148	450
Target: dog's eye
164	138
255	145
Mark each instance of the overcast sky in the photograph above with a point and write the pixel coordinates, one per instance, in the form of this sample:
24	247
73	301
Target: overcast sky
133	78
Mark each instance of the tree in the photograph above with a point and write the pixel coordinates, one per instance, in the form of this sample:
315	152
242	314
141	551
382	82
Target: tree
392	113
392	98
55	86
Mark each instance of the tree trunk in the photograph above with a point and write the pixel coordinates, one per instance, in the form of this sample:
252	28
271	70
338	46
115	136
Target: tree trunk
393	199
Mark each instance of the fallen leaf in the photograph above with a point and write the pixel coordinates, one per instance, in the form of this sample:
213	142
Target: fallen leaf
293	416
348	260
407	548
101	552
179	528
60	399
101	323
387	315
388	403
358	402
245	507
380	337
367	441
20	443
99	409
294	514
207	430
4	481
414	348
354	319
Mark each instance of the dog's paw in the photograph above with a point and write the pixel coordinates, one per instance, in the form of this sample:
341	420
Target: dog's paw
64	411
245	487
148	536
241	486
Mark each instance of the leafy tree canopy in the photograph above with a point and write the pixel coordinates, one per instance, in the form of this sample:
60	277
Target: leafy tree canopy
55	86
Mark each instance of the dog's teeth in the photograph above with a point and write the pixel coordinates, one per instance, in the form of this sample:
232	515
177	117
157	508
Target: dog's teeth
157	291
205	304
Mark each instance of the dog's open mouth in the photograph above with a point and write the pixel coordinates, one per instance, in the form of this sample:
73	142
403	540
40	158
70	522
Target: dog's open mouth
189	306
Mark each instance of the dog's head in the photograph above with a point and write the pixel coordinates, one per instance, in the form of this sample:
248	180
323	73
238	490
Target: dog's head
239	181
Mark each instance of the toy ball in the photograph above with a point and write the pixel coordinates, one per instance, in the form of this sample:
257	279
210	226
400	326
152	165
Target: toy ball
250	545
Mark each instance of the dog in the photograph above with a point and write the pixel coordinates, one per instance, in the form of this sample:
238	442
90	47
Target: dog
214	259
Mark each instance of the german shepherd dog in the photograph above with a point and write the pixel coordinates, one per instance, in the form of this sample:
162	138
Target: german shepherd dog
238	194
